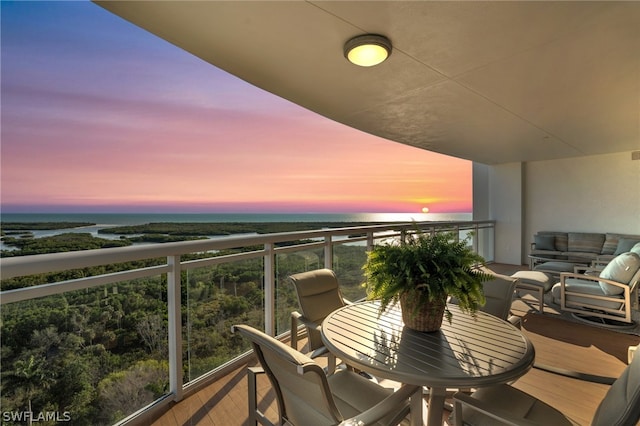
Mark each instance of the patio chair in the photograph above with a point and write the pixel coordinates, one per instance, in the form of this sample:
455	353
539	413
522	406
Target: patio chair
498	293
609	294
505	404
318	295
307	397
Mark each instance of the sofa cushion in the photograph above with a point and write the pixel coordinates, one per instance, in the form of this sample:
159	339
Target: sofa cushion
544	242
581	256
621	269
610	243
562	241
625	245
585	242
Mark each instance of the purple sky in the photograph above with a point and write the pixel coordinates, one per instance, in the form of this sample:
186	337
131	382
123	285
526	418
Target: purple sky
99	115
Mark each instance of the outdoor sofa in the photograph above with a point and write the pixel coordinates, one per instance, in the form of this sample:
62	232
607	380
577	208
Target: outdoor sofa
582	245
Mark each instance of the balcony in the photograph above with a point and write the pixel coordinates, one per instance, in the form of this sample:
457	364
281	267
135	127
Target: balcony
131	330
180	300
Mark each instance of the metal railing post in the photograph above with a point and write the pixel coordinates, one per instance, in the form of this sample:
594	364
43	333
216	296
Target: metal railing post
175	327
328	252
269	290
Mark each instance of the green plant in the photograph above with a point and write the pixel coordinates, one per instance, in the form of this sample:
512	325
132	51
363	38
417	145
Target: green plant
427	268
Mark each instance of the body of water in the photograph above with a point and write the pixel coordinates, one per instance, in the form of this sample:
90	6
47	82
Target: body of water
108	220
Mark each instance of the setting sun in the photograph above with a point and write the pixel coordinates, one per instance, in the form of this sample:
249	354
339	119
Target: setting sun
425	210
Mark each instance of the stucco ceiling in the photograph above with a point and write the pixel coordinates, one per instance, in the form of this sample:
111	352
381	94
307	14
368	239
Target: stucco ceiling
492	82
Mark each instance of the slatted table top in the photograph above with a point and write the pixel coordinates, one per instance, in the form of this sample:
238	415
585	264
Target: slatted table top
466	353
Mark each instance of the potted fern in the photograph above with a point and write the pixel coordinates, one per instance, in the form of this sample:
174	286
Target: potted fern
421	272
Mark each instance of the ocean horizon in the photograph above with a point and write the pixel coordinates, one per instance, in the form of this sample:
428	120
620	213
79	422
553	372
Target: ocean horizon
120	219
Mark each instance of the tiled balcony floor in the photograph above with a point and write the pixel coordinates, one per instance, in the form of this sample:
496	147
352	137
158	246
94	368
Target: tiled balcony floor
558	342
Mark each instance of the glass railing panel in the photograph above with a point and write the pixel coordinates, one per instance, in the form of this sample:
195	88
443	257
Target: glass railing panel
348	259
213	299
485	243
86	357
289	263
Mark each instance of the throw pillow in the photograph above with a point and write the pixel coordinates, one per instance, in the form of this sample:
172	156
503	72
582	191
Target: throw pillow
544	242
621	269
610	243
625	245
636	249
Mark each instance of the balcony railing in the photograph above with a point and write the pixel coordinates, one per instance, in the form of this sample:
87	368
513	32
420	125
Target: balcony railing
180	299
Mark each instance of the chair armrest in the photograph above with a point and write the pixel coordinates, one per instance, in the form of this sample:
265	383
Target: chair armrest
586	270
461	398
515	321
299	318
565	275
391	404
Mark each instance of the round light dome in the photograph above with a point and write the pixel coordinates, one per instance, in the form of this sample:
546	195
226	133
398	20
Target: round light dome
367	50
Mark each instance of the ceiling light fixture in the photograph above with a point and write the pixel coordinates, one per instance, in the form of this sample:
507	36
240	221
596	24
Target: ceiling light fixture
367	50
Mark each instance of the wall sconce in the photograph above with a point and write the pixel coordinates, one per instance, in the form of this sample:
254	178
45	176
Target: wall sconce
367	50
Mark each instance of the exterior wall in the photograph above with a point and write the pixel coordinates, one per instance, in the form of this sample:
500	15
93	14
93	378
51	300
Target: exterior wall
582	194
498	195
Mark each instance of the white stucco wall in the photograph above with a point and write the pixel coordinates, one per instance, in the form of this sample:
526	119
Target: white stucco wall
497	195
582	194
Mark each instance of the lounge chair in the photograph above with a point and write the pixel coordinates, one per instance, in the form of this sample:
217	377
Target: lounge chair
609	294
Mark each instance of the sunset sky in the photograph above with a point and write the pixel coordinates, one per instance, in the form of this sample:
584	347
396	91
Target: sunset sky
100	116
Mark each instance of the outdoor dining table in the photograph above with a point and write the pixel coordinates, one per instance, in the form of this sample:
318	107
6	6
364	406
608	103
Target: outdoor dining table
466	353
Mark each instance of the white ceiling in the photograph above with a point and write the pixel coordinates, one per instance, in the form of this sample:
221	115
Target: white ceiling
492	82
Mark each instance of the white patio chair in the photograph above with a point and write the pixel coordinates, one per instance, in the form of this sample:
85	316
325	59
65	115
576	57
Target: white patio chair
308	397
318	293
507	405
609	294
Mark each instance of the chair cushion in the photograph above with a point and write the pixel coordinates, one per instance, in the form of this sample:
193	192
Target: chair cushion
544	242
587	288
534	278
625	245
555	267
621	269
585	242
354	394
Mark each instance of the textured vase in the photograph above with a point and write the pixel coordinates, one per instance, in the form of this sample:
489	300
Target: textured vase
426	318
